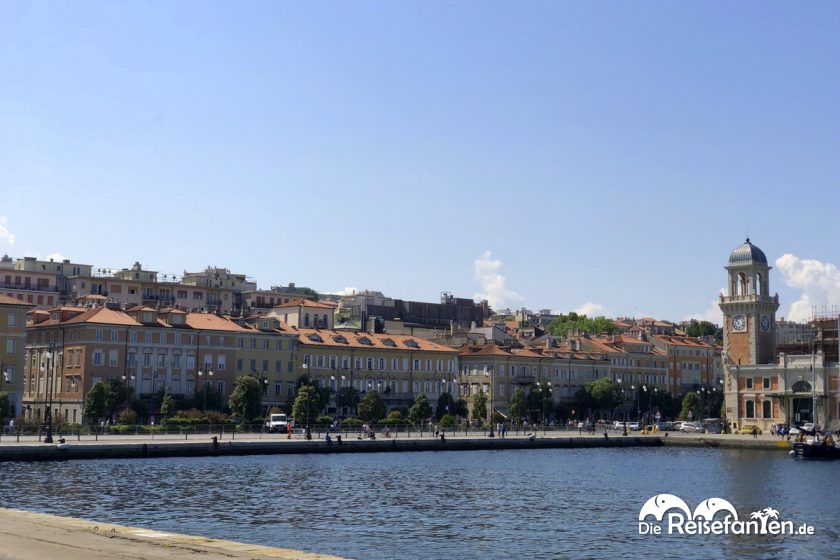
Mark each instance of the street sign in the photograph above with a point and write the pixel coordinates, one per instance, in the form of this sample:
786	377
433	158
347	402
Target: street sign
658	416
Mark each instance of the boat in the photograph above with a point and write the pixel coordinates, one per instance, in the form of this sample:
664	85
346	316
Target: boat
805	450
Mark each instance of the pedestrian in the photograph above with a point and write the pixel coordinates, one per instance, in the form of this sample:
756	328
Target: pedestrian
755	432
11	425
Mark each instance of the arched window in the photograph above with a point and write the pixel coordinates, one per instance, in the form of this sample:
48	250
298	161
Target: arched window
326	322
767	409
741	284
759	284
801	387
306	320
750	409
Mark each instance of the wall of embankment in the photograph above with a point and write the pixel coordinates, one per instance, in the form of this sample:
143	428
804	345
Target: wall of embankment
132	450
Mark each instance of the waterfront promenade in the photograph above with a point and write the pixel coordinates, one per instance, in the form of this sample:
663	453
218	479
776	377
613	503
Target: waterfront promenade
34	536
147	446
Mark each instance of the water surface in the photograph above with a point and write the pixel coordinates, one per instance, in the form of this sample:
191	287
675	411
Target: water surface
564	503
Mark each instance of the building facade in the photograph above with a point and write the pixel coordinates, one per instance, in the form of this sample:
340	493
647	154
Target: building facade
12	349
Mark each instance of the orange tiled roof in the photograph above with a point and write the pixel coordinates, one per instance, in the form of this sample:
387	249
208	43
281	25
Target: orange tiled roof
305	303
6	300
104	316
379	341
210	322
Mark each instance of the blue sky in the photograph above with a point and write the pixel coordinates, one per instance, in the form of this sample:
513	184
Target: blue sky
609	154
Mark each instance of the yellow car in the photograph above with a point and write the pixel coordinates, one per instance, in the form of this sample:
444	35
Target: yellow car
748	429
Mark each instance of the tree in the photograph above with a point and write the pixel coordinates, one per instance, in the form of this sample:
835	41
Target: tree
420	410
446	421
167	406
563	324
516	405
602	392
347	397
127	417
445	405
245	401
305	405
115	396
690	404
372	407
479	411
460	408
5	406
215	400
95	405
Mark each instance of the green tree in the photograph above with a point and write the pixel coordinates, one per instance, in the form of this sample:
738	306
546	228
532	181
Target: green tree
127	417
602	392
479	411
460	408
517	405
564	324
245	401
215	400
95	404
347	397
420	409
446	421
690	404
167	406
305	405
5	406
115	396
372	407
444	405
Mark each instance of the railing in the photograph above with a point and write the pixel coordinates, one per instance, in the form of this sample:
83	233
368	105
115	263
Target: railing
75	432
29	287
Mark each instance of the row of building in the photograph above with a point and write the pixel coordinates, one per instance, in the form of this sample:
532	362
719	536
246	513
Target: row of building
56	355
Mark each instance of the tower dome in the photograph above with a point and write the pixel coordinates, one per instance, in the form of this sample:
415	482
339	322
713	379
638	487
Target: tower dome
747	254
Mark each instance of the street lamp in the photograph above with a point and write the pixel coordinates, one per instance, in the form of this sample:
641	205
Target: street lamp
48	405
545	386
205	376
490	371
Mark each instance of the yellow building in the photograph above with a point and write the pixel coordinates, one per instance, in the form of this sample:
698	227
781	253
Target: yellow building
12	349
268	351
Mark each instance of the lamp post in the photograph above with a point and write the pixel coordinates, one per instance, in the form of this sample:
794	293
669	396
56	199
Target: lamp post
308	429
205	376
490	371
545	386
48	438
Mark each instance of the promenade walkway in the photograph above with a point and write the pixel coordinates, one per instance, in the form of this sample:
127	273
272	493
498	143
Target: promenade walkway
34	536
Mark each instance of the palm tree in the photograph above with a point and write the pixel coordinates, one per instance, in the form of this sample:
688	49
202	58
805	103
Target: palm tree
770	513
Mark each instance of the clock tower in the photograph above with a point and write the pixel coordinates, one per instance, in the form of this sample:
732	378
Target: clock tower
749	311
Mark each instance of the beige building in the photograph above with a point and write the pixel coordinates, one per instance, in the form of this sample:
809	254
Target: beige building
306	314
399	367
12	349
70	349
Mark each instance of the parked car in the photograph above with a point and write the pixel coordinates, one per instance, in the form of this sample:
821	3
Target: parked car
633	427
748	429
692	427
277	423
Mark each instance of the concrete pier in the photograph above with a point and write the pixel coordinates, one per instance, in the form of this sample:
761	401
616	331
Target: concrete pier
35	536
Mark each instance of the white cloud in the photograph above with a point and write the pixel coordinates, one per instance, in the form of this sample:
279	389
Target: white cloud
591	309
348	291
819	282
56	257
492	284
711	314
5	234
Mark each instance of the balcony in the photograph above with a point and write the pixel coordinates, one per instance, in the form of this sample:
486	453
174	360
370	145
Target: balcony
27	287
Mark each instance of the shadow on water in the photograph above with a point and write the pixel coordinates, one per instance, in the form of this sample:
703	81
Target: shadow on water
483	504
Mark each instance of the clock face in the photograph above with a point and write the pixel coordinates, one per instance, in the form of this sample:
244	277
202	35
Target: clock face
765	323
739	323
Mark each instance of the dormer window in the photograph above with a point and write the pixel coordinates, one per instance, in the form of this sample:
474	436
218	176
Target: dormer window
340	339
265	325
147	317
315	337
366	341
389	342
411	343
